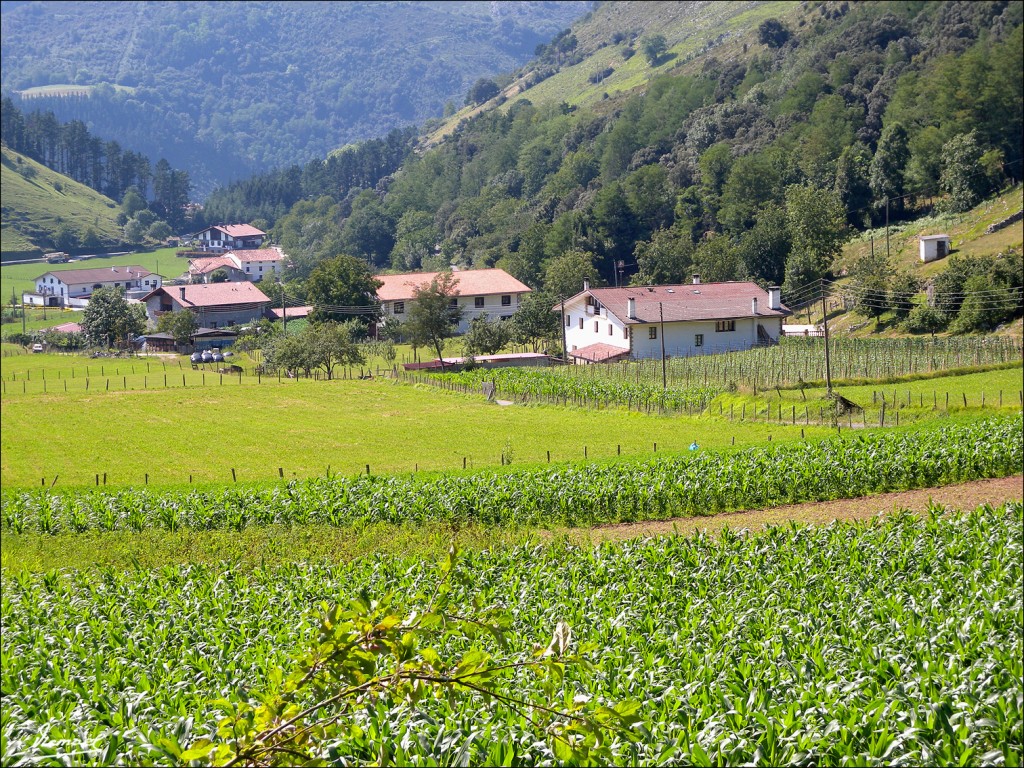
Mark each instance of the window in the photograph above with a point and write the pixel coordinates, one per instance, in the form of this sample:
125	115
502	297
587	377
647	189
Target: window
609	329
625	333
698	340
581	323
652	332
246	267
478	302
568	321
725	325
399	307
454	303
595	326
506	301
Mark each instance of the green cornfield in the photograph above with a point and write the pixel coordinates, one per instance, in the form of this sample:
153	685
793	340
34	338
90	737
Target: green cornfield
568	495
891	642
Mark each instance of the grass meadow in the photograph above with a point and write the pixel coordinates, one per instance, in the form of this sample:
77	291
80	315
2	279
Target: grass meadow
305	426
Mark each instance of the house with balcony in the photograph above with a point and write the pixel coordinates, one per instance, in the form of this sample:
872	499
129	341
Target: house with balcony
609	324
73	287
491	293
225	237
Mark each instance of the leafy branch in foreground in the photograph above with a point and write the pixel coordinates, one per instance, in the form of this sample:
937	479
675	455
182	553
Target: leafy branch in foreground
369	652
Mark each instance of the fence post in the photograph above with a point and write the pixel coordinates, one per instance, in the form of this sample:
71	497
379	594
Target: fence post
233	478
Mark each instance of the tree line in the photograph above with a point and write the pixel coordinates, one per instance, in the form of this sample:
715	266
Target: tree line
70	149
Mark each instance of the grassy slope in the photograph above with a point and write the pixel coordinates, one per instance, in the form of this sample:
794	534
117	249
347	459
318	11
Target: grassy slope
32	208
967	231
689	30
21	277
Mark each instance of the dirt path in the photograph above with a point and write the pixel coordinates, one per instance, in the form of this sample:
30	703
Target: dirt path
965	496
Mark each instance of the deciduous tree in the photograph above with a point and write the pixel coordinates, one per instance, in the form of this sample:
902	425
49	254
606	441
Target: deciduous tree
109	320
435	313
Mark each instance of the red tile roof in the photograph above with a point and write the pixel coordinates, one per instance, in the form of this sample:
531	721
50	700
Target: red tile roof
471	282
98	274
700	301
210	264
67	328
260	254
292	313
236	230
212	294
599	353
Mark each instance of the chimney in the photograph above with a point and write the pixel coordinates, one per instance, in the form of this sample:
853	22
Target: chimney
696	279
586	283
181	290
774	292
631	311
753	305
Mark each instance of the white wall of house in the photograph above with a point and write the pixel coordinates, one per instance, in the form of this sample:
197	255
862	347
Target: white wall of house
50	285
499	306
586	325
257	270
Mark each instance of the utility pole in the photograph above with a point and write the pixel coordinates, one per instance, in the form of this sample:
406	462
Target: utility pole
284	310
828	360
565	345
887	227
664	379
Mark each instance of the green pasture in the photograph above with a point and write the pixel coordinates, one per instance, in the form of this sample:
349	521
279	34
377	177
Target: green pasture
304	426
16	277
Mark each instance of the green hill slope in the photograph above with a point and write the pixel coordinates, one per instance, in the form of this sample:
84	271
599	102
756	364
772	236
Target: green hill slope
36	201
603	58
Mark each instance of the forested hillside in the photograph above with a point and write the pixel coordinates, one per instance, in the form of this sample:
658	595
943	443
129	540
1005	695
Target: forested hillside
226	89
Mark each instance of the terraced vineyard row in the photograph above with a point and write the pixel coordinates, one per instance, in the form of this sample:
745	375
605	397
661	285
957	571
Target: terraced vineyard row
588	494
558	385
797	360
895	642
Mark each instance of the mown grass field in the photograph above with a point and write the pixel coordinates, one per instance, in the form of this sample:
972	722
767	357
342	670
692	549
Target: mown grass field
305	426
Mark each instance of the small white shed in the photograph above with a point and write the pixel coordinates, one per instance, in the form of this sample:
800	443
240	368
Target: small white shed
933	247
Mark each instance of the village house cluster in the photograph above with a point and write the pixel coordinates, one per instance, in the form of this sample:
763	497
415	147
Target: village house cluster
598	324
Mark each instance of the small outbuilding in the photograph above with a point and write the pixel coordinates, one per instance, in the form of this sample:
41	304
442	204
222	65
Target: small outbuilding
934	247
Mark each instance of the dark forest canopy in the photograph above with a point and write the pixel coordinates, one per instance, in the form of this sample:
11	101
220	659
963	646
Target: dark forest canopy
225	89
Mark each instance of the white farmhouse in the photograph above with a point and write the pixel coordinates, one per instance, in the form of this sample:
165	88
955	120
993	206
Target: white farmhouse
73	287
933	247
607	324
252	265
492	293
224	237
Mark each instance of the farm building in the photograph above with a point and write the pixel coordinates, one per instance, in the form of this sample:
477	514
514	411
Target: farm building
933	247
492	293
217	305
251	265
607	324
239	265
226	237
73	287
